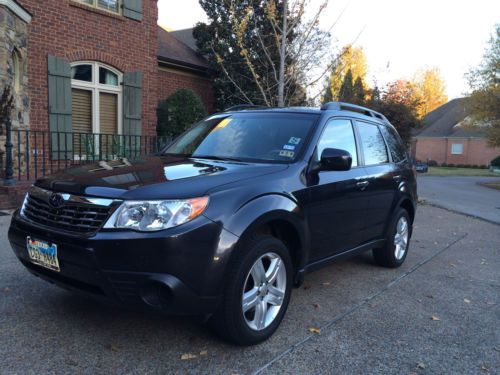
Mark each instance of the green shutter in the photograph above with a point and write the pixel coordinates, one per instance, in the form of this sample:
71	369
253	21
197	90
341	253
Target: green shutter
132	112
133	9
59	86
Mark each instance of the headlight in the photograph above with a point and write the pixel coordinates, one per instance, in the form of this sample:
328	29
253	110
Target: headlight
151	216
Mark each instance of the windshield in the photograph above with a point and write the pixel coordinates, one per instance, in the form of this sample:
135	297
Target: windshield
257	137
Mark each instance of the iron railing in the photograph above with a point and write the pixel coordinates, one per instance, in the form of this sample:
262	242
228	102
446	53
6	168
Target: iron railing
32	154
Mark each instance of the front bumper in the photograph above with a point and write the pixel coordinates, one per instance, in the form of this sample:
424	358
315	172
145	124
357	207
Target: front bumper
178	271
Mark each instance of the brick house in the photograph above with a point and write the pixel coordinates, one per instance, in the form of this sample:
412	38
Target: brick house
95	66
445	140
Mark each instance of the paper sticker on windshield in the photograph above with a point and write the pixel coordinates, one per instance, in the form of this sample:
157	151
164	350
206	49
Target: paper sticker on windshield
289	147
287	154
222	124
294	141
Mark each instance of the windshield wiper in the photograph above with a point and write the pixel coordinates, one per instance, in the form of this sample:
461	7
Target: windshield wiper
214	157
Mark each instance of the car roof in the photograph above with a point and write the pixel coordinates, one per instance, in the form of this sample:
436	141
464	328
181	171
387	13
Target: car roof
328	110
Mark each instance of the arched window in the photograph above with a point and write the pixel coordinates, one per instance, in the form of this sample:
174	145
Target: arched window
96	98
16	71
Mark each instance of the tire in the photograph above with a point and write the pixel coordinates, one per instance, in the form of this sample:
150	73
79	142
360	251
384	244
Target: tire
392	255
230	322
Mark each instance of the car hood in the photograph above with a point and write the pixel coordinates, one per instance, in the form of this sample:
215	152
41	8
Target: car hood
154	177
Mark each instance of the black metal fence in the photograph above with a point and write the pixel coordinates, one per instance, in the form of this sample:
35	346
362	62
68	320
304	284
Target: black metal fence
32	154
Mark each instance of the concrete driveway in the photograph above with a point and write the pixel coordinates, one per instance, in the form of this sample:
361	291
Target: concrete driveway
437	314
462	194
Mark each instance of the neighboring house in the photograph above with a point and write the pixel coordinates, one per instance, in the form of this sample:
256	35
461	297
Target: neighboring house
94	66
445	139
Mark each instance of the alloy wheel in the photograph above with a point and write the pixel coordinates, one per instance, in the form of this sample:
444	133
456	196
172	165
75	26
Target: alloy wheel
401	238
264	291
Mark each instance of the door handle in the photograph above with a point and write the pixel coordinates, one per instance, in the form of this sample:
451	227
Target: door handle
362	184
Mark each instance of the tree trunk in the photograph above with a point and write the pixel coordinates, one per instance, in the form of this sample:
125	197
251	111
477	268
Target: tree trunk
281	82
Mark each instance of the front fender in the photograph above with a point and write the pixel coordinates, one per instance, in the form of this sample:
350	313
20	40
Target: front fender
265	209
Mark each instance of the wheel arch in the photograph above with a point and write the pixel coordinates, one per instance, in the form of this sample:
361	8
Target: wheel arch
277	215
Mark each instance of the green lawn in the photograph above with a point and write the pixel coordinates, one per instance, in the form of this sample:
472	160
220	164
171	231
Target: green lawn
452	171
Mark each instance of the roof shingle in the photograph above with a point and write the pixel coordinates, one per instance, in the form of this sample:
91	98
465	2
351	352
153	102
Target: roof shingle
172	50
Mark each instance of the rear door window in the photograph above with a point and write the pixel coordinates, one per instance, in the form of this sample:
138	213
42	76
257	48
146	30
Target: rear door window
372	143
395	144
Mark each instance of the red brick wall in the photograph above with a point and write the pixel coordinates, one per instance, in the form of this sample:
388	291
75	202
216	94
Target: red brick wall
170	81
70	30
475	151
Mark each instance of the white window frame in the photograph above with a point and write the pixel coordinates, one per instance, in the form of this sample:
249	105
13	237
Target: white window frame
454	151
96	6
95	87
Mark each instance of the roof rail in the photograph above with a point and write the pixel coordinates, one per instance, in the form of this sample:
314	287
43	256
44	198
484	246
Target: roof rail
342	106
242	107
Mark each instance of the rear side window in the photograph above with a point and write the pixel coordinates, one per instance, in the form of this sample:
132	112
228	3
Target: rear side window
339	134
395	144
373	145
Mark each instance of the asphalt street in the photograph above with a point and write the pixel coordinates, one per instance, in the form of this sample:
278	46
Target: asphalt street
462	194
437	314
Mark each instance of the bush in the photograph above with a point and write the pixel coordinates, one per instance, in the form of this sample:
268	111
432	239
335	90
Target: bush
495	162
432	163
483	166
181	110
451	165
444	165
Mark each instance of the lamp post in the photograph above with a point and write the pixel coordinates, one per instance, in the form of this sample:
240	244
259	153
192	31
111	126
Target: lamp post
9	171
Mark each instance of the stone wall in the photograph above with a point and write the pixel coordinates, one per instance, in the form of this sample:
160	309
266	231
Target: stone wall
13	40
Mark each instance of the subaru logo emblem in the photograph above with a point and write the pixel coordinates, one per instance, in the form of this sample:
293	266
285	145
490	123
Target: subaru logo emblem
56	200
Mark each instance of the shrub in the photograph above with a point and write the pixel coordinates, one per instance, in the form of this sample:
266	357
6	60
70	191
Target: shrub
432	163
483	166
181	110
451	165
444	165
495	162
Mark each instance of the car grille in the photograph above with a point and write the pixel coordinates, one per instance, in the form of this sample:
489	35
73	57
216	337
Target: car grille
71	217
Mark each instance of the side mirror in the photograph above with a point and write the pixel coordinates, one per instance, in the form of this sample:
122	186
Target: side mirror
333	159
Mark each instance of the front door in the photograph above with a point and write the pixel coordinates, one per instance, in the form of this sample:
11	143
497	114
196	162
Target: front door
336	207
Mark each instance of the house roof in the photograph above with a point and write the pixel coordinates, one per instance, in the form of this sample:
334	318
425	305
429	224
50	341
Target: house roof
186	37
445	121
173	51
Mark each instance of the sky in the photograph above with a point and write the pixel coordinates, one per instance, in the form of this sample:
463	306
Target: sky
398	36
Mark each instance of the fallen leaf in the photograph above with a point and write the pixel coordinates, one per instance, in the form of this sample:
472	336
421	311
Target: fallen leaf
113	348
435	317
497	349
306	287
326	284
71	362
6	289
204	352
316	305
315	330
466	300
187	356
373	305
453	265
485	369
429	296
420	365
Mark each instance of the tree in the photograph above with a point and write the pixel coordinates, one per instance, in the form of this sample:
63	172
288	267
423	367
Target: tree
484	102
359	92
346	93
181	110
262	52
350	58
431	90
405	93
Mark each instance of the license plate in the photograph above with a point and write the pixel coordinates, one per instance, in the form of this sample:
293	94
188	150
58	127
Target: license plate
43	253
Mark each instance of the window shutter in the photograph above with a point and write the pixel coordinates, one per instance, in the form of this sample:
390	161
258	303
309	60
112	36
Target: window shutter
133	9
60	121
132	112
